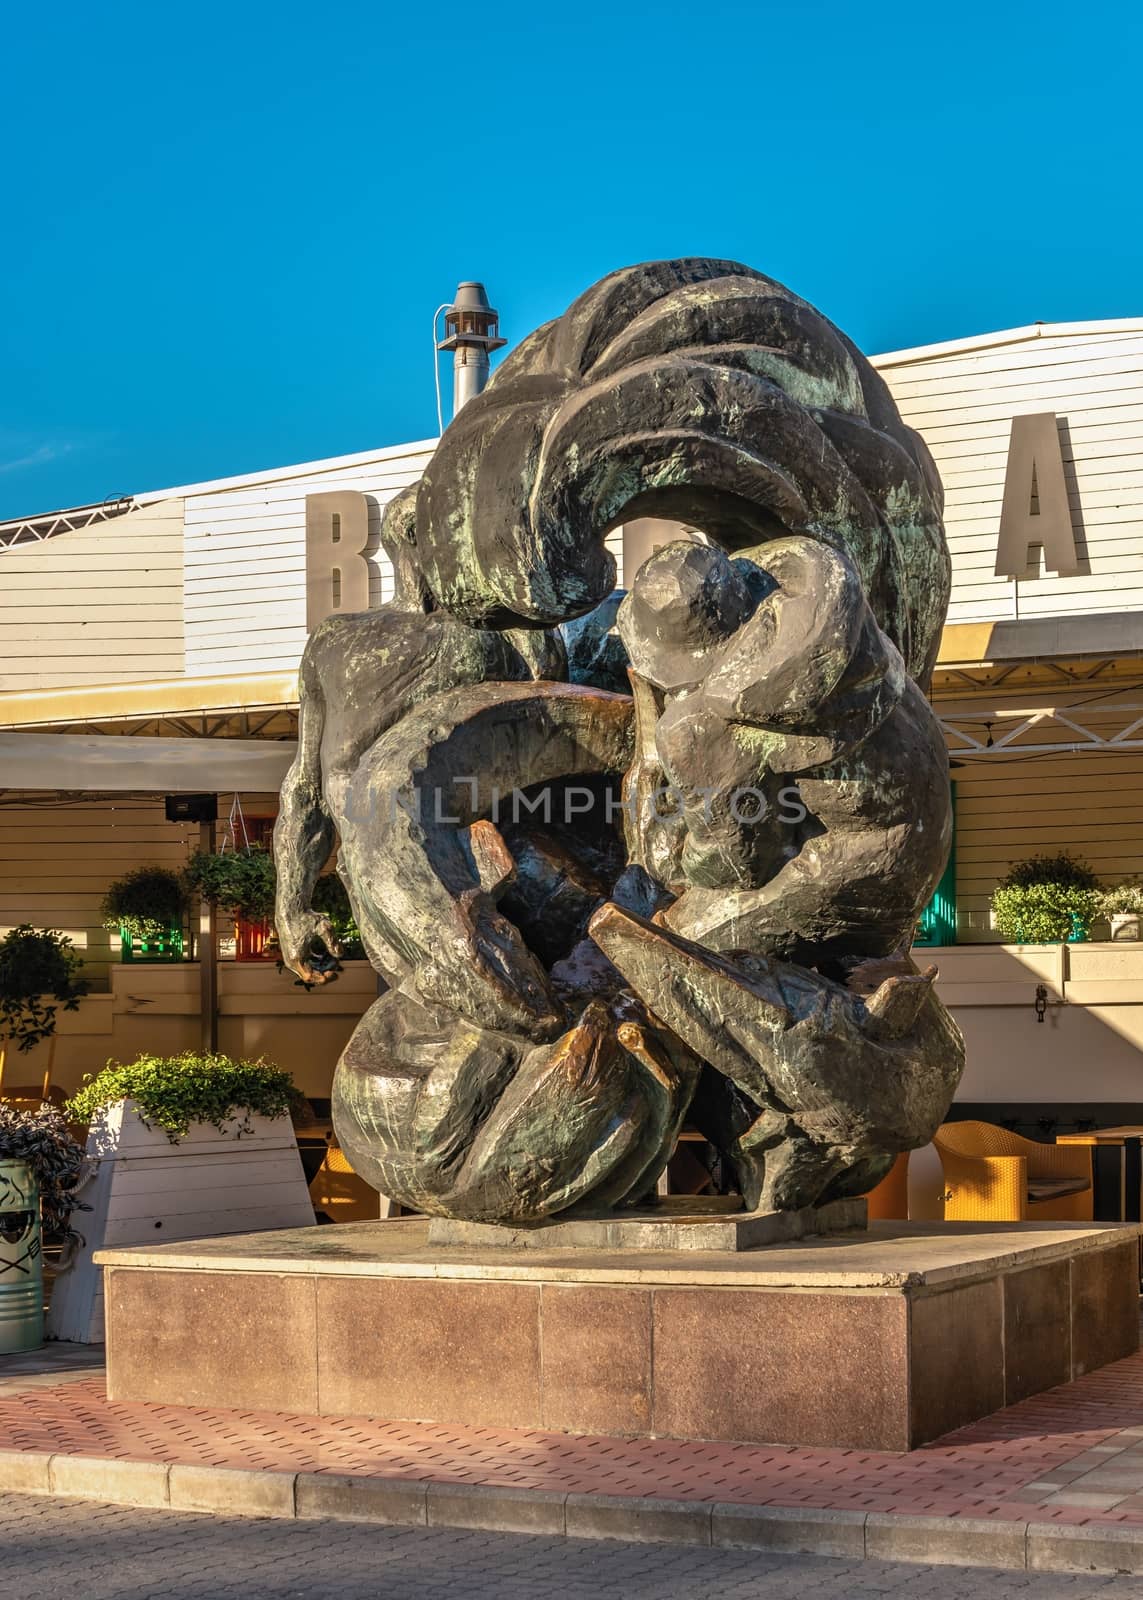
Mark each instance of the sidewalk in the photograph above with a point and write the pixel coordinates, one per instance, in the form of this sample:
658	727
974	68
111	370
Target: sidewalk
1054	1483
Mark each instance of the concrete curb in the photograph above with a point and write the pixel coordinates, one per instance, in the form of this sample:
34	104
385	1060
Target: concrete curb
852	1535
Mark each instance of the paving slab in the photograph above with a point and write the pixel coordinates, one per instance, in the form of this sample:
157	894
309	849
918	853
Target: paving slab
1052	1484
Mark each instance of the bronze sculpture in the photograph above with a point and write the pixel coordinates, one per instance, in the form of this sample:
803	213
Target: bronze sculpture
596	913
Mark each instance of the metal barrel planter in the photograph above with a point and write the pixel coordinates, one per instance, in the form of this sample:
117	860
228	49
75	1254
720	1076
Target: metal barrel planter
21	1260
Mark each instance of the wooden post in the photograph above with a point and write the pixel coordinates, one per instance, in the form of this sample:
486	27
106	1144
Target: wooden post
208	954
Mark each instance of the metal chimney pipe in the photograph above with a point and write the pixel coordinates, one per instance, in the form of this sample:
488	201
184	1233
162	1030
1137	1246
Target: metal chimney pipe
471	331
470	369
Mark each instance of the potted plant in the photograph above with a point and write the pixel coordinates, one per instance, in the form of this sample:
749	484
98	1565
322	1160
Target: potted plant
38	977
1046	900
146	908
172	1092
242	882
1123	908
41	1167
184	1147
332	901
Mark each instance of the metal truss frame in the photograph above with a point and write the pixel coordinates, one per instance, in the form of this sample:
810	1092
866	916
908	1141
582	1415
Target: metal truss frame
1013	733
34	530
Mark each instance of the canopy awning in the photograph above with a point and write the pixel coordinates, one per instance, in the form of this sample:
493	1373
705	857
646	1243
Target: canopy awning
93	762
163	698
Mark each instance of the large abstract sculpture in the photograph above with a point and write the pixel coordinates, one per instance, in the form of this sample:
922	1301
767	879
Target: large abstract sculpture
600	913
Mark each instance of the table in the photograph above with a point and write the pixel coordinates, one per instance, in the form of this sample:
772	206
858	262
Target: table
1114	1199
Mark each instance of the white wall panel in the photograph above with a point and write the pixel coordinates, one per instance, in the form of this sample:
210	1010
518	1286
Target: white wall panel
244	588
95	605
963	400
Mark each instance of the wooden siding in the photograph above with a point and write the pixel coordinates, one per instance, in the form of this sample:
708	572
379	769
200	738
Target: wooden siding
212	579
95	605
1090	805
963	402
57	859
245	560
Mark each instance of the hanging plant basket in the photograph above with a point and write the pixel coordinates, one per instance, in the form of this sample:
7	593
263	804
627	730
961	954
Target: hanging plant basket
243	883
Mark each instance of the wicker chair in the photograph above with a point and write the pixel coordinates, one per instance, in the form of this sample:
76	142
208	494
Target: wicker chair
992	1175
340	1193
889	1201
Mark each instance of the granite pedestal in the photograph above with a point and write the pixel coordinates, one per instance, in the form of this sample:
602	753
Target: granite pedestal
678	1222
870	1340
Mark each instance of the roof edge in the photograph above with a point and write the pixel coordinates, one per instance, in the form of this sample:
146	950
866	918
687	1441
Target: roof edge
300	469
160	697
987	341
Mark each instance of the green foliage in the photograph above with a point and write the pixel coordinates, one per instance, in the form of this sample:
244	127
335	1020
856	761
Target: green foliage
1046	900
1063	870
41	1138
332	901
240	881
171	1092
1125	899
1044	913
37	976
147	903
244	883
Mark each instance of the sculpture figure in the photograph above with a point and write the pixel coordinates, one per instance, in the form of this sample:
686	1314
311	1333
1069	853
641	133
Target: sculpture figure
598	914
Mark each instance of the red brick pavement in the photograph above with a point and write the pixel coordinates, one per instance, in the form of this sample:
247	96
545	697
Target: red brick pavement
1072	1455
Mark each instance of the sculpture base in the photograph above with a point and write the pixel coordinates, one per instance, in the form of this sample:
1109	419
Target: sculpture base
876	1340
678	1222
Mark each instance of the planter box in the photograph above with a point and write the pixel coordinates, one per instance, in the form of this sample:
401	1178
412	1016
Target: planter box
144	1190
166	947
254	941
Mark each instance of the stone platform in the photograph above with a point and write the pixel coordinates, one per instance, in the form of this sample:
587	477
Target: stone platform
677	1222
877	1340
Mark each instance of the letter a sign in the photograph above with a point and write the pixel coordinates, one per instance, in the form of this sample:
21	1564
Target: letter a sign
1035	509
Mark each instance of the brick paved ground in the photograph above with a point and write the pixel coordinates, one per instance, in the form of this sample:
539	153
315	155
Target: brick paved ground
54	1548
1074	1455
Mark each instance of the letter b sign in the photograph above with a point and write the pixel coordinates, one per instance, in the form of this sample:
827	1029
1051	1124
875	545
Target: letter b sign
337	573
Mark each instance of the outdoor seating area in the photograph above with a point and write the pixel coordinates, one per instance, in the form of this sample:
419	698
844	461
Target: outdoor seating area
992	1175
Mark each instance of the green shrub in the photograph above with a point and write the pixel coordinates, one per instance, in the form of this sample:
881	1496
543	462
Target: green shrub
147	903
1044	913
171	1092
1064	870
242	882
41	1138
37	977
1046	900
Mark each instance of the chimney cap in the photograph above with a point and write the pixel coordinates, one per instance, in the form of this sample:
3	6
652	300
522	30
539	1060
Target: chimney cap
470	320
472	296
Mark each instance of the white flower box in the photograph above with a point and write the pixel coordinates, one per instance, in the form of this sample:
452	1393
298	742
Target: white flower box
145	1190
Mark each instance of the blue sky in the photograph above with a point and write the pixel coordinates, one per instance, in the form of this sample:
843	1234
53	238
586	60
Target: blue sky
225	227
